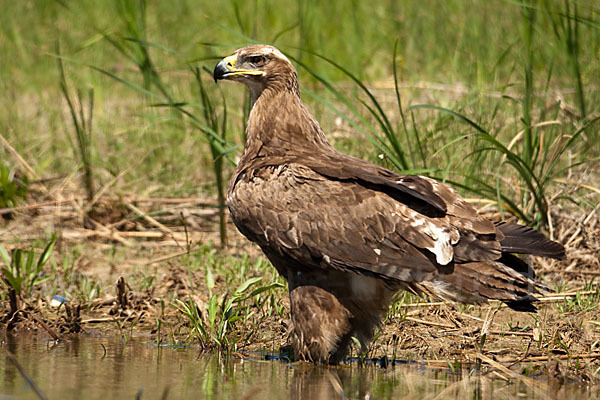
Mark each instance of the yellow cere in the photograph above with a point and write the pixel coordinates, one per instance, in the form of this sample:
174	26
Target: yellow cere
230	63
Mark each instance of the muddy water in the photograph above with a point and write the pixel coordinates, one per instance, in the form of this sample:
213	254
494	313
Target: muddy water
107	368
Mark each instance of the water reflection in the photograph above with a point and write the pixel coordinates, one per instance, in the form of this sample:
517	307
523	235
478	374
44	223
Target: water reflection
106	368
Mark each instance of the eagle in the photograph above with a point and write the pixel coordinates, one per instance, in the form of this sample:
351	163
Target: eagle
347	234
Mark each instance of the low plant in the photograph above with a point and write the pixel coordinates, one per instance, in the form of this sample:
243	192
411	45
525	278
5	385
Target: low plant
398	310
584	300
12	187
212	323
22	271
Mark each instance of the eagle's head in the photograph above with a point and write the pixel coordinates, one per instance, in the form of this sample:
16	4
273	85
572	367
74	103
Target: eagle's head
259	67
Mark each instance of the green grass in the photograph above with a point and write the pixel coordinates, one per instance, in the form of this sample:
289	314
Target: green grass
211	323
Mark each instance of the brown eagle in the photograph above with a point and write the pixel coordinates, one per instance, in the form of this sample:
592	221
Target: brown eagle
347	234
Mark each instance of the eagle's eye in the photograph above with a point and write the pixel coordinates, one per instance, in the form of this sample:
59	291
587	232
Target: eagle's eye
258	61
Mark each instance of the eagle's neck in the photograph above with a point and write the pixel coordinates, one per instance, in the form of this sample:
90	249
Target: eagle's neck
280	124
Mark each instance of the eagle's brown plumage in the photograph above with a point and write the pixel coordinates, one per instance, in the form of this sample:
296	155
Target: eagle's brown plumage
347	234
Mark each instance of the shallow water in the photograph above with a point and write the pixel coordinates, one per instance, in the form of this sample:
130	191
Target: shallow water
106	368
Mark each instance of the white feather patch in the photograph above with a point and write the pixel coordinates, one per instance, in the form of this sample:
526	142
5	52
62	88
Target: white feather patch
275	52
443	237
443	241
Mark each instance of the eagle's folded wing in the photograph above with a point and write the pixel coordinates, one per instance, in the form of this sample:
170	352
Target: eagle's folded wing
315	220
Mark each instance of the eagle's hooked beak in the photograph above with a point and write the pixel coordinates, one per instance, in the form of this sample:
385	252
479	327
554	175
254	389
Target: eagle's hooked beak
226	69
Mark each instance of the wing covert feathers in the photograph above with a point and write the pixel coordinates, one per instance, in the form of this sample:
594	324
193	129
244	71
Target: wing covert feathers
360	229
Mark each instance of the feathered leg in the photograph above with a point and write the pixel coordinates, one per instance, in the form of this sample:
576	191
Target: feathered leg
319	321
329	308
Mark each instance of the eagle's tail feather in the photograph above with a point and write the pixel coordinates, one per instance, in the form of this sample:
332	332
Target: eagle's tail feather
526	240
508	279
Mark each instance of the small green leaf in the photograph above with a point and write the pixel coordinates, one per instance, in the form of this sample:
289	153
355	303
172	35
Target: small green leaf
212	310
13	280
17	262
29	264
261	289
210	281
45	256
4	256
244	286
